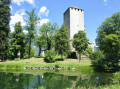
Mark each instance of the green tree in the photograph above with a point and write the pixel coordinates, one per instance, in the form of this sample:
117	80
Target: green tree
108	38
40	42
48	31
32	52
80	42
62	45
4	27
31	25
17	42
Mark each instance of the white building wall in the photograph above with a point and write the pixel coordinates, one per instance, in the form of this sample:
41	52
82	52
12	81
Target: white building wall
76	21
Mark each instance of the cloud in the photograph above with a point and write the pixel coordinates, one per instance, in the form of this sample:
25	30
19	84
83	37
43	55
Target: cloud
21	12
43	11
17	17
105	0
25	31
11	28
43	21
18	2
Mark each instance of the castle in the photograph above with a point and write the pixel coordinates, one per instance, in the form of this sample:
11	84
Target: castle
74	21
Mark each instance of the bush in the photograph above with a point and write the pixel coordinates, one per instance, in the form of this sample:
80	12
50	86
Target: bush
49	56
96	59
58	58
104	62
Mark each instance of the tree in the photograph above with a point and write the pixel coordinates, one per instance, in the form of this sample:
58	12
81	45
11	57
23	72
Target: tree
62	45
48	31
80	42
17	42
40	42
31	24
4	27
108	38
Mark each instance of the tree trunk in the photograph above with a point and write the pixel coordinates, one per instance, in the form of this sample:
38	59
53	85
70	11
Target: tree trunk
29	48
79	57
39	50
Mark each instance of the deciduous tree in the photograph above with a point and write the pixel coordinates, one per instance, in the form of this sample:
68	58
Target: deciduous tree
80	42
62	45
32	21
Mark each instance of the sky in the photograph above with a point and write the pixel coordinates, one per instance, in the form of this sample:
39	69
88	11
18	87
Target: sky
95	12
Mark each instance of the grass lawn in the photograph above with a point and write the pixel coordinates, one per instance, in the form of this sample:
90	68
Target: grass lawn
39	62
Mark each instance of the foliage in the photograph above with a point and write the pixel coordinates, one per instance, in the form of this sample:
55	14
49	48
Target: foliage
32	52
17	42
40	42
104	62
62	45
80	42
96	56
48	30
108	38
58	58
30	27
88	51
4	27
49	56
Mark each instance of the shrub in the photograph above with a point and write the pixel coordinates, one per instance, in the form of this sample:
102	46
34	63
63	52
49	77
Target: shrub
58	58
49	56
96	59
105	62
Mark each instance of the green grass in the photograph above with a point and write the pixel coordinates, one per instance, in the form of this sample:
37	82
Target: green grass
116	86
39	62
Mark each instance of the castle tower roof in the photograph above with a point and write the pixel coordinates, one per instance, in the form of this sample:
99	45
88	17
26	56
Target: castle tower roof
76	7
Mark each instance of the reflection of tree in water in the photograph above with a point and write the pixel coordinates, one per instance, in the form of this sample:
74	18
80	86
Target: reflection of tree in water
94	80
14	81
55	81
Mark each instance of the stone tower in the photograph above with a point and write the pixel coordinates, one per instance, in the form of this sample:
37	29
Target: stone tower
74	21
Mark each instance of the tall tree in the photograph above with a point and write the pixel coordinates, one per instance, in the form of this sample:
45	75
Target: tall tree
80	42
48	31
62	45
17	42
4	27
31	25
108	38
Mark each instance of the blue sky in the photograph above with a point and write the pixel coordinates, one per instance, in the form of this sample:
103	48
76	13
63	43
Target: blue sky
95	12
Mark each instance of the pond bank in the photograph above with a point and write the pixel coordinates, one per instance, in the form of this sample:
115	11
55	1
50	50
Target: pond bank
38	63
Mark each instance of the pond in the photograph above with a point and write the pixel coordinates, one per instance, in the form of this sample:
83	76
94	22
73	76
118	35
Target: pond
56	80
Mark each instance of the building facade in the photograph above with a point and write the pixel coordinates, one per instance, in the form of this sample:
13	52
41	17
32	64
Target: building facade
74	20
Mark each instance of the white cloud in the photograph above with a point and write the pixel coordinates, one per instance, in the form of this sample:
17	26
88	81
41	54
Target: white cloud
21	12
43	21
43	11
18	17
18	2
12	28
105	0
25	31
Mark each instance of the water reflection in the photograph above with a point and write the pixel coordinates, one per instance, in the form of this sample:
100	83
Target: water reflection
56	81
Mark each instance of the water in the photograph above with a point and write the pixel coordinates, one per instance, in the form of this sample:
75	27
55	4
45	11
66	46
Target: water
54	80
